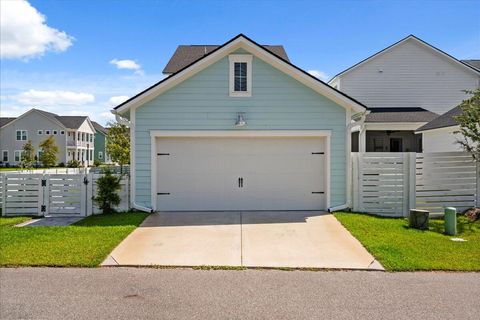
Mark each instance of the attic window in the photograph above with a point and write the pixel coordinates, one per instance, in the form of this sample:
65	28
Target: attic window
240	75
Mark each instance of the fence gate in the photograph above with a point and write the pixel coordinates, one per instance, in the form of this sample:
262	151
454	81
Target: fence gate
22	194
65	195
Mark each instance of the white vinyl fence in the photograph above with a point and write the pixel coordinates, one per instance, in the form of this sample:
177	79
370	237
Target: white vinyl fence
54	195
391	184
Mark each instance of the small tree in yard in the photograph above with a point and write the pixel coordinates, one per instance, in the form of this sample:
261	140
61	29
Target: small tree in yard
469	121
49	153
28	155
107	197
118	144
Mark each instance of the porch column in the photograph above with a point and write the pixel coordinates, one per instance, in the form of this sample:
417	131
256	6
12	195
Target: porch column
362	139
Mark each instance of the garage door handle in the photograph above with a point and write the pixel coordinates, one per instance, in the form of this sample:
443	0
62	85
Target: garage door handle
240	182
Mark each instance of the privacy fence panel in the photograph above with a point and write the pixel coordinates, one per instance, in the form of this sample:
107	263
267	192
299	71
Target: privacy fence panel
381	182
22	194
54	195
66	195
446	179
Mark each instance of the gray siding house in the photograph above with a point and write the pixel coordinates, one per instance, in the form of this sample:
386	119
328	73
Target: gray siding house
74	136
405	86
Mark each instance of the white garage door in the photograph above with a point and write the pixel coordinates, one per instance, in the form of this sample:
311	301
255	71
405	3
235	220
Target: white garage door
240	173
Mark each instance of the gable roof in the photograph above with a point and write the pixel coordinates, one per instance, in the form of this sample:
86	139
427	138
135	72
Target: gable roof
443	121
418	40
98	127
241	41
186	54
68	122
473	62
4	121
399	115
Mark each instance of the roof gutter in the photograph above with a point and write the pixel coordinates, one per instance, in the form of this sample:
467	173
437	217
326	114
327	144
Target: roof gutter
360	121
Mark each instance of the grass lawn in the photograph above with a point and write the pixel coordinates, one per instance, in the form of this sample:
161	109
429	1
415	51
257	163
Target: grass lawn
85	244
399	248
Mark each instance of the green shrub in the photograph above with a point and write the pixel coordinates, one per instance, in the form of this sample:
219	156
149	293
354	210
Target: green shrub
107	187
73	164
97	163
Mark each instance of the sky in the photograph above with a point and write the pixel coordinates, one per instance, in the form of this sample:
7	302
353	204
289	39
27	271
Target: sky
85	57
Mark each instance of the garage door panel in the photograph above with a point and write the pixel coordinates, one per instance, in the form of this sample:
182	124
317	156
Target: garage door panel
203	174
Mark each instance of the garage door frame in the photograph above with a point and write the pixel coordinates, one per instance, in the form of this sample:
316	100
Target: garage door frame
154	134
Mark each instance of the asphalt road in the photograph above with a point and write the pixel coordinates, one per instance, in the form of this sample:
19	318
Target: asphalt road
136	293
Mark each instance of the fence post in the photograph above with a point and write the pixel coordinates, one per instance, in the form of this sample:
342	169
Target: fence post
44	195
412	181
406	183
354	181
4	194
89	202
360	181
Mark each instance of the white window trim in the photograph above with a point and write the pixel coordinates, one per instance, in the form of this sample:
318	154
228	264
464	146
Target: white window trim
8	156
19	155
247	58
21	135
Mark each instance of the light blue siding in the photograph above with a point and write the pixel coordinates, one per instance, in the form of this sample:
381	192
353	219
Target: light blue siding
202	102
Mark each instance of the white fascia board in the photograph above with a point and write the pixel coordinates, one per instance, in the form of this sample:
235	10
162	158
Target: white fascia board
393	125
449	128
241	133
309	81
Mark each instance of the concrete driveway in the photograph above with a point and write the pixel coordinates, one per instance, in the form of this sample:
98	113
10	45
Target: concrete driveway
295	239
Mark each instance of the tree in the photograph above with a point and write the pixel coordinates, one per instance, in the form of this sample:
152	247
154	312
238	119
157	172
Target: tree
118	144
107	196
28	155
469	121
48	156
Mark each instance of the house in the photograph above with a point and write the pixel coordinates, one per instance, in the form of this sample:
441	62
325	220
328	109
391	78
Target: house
74	136
100	150
405	86
239	127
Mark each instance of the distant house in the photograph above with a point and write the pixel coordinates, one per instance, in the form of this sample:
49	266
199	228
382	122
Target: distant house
405	86
74	136
100	152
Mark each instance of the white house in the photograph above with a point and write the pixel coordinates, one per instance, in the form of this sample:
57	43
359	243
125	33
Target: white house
74	136
405	86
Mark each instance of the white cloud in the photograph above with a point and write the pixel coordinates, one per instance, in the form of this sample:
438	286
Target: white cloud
115	101
319	75
128	65
56	97
24	33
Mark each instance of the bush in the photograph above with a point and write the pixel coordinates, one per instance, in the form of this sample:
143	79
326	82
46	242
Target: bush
73	164
61	165
107	196
97	163
473	214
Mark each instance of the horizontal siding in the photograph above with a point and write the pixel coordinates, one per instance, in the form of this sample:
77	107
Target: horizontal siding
202	102
413	76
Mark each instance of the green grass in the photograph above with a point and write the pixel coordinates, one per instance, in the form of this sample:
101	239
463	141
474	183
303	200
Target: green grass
85	244
400	248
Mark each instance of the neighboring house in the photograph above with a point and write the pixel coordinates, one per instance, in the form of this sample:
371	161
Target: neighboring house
239	127
439	134
405	86
74	136
100	151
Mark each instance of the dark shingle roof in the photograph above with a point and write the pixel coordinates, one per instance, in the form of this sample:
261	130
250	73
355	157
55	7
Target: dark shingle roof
186	54
400	115
99	127
72	122
4	121
445	120
474	63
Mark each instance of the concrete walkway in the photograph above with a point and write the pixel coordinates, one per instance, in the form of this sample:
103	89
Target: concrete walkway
293	239
50	222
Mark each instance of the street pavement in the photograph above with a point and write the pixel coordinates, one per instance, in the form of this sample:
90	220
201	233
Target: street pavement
148	293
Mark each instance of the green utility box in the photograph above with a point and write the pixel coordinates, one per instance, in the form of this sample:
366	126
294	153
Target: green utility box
418	219
450	221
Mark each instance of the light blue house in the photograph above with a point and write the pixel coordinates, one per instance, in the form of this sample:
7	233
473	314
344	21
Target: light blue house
239	128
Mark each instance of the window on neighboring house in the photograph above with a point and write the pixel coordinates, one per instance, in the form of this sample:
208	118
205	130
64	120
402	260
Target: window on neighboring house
47	132
62	132
91	154
5	155
21	135
240	75
18	155
55	131
100	155
40	132
39	154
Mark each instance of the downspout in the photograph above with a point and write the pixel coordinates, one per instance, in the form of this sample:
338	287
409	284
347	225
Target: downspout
134	205
353	123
